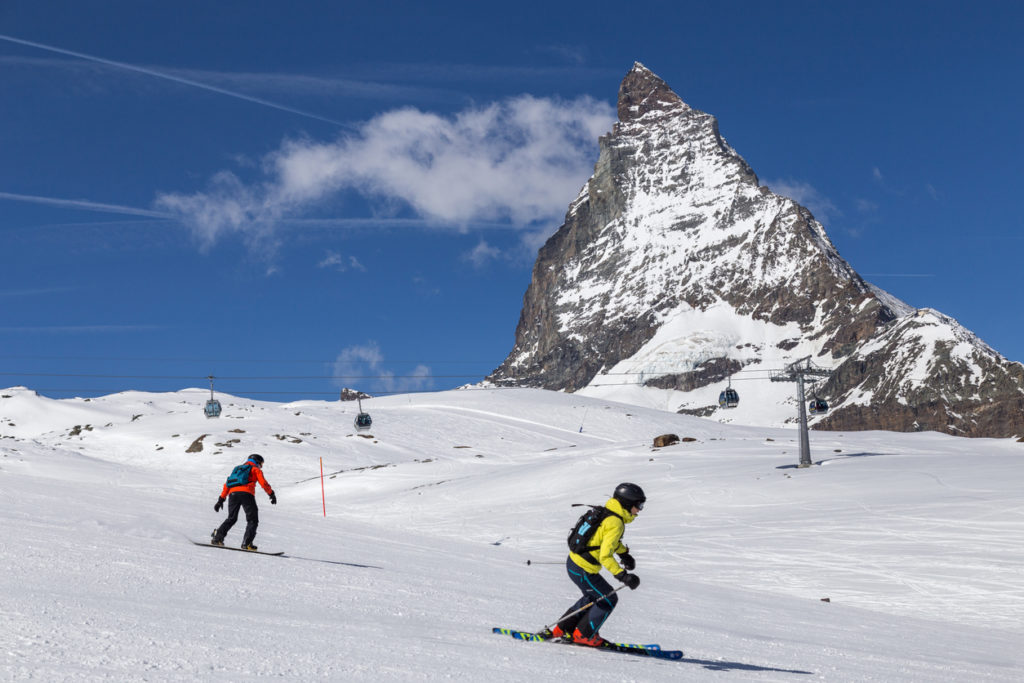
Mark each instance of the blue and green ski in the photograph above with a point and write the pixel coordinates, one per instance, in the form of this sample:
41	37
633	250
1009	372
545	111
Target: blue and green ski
648	650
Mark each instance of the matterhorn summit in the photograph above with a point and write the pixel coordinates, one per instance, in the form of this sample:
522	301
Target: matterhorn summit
677	274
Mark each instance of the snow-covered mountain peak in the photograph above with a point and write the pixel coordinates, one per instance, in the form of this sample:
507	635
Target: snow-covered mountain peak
675	226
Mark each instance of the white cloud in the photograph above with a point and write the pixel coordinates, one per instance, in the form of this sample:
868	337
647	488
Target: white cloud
340	263
227	206
362	368
332	260
519	161
806	195
482	254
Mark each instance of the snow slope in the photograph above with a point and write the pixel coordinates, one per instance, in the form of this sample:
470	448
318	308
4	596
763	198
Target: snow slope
916	539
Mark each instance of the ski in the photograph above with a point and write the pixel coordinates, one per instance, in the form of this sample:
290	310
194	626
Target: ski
648	650
540	637
241	550
629	650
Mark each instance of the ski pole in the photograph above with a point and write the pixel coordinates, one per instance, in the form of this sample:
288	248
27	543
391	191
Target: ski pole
586	606
529	562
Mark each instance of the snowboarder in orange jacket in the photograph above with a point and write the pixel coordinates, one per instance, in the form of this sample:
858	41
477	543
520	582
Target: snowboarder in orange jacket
240	492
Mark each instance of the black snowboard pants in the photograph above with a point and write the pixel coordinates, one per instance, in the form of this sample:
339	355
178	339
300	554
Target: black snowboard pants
247	502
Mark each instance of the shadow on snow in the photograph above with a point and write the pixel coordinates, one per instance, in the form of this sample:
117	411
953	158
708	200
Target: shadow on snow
838	457
346	564
715	665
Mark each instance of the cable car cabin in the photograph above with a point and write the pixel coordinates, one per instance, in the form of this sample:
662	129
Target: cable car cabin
212	408
363	422
818	406
728	398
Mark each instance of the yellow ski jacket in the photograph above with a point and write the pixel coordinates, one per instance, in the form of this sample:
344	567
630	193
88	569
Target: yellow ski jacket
609	537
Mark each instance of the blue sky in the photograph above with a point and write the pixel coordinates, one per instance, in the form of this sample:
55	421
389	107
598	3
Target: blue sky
282	195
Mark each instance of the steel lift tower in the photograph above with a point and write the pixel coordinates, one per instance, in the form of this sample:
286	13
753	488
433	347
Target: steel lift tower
796	372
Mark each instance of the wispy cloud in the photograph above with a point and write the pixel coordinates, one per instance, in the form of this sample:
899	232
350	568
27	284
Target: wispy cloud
807	195
42	291
336	261
514	161
267	84
436	72
482	254
898	274
885	184
570	54
381	81
362	368
84	205
378	222
75	329
169	77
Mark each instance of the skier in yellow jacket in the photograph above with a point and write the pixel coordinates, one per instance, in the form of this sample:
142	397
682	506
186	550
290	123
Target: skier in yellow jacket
584	568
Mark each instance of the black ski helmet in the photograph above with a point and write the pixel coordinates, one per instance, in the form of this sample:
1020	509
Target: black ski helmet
630	495
257	458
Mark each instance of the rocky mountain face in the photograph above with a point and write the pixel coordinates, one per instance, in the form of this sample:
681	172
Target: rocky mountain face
924	371
676	270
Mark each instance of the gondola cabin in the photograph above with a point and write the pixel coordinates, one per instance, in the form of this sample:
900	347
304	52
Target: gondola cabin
212	408
729	398
363	422
818	406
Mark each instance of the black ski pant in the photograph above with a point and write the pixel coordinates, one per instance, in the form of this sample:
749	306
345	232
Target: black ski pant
593	587
246	501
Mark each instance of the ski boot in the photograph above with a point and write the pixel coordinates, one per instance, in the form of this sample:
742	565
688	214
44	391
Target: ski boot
591	641
555	633
214	540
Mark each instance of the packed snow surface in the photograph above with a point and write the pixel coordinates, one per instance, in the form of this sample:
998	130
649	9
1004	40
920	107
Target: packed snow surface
916	540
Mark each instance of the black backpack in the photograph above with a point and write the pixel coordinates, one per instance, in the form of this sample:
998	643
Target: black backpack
240	475
585	528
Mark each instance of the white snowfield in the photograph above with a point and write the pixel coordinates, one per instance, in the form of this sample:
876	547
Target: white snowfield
916	540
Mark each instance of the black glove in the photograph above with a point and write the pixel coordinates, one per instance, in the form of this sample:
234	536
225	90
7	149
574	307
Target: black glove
631	580
273	498
218	505
627	561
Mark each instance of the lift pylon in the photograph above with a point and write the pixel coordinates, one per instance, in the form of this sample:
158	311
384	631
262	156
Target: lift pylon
796	372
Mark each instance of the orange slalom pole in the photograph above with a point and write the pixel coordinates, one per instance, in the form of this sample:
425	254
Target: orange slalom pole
322	496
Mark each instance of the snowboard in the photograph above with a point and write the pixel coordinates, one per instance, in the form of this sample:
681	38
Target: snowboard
241	550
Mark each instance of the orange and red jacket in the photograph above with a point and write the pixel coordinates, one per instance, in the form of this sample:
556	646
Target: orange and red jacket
255	475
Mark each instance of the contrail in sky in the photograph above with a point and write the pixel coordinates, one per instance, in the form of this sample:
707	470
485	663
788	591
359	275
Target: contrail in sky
898	274
84	204
169	77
